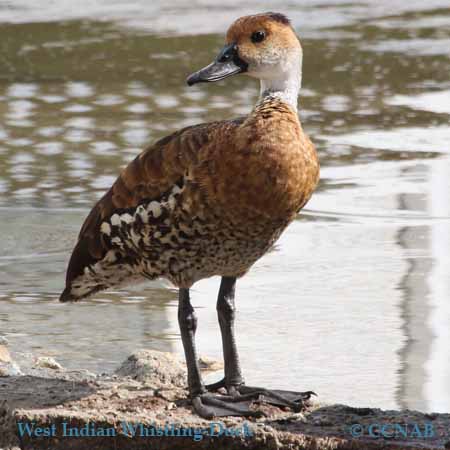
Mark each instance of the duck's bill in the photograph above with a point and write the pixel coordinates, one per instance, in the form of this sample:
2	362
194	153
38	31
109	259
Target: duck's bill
214	72
226	64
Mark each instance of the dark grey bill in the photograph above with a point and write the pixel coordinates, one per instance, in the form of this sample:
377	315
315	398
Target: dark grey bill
226	64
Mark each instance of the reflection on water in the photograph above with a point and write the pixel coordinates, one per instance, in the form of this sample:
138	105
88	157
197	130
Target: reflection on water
352	302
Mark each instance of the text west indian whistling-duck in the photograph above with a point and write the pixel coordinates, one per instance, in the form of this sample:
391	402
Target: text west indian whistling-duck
210	199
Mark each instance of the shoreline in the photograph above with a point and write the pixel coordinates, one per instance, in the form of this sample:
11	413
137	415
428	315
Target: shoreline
143	405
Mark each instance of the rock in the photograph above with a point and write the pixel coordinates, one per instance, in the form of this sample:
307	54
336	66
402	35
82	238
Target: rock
5	357
170	406
10	370
156	369
4	341
47	362
50	399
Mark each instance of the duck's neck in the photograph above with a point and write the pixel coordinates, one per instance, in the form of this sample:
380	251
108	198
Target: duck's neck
285	87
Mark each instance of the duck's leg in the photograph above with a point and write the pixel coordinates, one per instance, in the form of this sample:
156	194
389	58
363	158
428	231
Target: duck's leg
233	381
226	312
187	321
207	405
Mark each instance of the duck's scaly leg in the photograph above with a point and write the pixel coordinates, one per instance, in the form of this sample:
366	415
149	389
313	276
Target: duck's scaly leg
233	381
226	312
207	405
187	321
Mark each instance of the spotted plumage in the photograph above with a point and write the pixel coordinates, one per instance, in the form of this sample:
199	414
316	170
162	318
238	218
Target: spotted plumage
210	200
202	202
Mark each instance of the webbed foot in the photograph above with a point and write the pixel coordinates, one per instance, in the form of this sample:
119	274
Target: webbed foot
210	405
296	401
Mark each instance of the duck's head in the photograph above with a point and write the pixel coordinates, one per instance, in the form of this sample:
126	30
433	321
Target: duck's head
263	46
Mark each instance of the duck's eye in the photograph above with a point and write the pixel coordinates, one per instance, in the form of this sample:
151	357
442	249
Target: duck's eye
258	36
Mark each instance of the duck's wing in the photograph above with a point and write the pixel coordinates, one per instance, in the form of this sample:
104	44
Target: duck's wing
148	177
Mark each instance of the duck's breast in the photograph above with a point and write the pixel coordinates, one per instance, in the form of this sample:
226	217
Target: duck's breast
266	171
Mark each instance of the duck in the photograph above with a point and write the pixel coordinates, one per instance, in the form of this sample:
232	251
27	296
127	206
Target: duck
210	200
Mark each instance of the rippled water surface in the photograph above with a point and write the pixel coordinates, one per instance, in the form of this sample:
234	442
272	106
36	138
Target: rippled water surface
354	300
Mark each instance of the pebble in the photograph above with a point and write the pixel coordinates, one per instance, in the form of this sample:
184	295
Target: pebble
9	370
5	357
154	367
47	362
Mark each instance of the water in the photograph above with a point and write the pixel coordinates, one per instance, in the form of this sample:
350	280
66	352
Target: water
354	300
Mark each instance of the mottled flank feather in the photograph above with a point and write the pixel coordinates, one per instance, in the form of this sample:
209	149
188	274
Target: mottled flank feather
149	177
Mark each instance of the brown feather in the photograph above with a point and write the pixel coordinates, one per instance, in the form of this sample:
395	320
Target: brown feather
147	177
239	183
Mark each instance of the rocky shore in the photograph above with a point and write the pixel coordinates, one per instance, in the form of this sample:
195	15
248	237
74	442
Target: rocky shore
143	405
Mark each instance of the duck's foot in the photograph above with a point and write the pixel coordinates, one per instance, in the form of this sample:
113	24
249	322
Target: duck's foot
297	401
210	405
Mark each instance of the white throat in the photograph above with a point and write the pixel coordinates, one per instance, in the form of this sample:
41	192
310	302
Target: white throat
285	86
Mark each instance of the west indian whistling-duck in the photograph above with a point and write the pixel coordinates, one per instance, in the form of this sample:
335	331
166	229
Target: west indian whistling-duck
210	199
